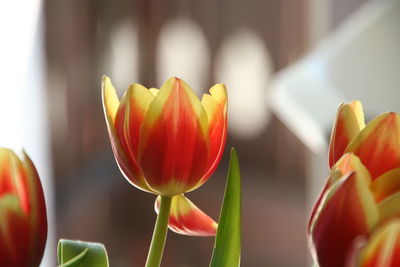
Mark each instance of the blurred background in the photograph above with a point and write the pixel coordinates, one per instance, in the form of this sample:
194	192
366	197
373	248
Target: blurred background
287	64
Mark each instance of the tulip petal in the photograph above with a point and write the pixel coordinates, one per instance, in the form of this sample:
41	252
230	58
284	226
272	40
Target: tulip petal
13	179
8	171
128	121
349	122
174	137
187	219
130	116
38	216
354	250
383	247
347	164
390	206
215	104
154	91
14	233
347	210
377	145
111	105
386	185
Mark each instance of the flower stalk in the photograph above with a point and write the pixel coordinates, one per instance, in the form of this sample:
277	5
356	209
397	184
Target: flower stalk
159	234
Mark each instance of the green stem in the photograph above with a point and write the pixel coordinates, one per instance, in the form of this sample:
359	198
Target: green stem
159	234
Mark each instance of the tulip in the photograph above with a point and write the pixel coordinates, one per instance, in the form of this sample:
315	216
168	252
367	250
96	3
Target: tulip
363	187
168	142
23	221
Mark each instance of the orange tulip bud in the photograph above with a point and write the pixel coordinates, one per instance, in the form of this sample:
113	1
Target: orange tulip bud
23	221
362	191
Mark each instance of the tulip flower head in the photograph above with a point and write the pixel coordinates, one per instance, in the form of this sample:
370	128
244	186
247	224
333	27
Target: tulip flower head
23	221
166	141
362	191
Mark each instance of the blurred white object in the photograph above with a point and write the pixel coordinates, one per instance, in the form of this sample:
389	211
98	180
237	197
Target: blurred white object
23	113
361	60
244	64
124	56
182	51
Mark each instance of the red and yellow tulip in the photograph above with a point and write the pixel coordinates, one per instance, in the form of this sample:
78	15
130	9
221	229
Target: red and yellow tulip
168	142
23	221
362	191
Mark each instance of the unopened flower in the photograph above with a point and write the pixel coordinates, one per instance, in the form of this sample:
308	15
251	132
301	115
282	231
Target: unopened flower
363	188
23	221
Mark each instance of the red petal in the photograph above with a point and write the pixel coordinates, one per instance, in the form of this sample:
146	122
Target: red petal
215	104
354	250
13	179
7	172
377	145
383	248
347	211
127	165
15	239
349	122
137	105
187	219
38	215
347	164
174	145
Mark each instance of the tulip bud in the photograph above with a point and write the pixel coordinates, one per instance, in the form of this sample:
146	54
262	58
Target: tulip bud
23	221
361	192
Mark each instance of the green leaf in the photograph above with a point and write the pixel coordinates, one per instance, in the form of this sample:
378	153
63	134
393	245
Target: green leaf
72	253
226	251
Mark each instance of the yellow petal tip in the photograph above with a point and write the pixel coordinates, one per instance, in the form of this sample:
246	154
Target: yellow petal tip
110	98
